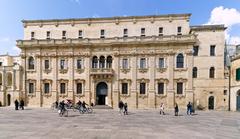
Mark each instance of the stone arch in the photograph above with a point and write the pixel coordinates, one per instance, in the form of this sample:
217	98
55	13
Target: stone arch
109	62
94	62
101	93
102	62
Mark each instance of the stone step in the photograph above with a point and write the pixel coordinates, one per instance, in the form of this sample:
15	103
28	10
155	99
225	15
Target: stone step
102	107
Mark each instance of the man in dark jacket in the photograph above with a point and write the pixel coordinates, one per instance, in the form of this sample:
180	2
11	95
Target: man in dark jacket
22	104
16	104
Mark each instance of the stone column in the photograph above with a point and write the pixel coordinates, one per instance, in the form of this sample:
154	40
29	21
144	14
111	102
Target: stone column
152	74
70	77
88	81
134	92
171	91
54	68
115	80
189	83
38	68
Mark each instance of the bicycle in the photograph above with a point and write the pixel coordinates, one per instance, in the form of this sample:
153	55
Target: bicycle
85	110
63	112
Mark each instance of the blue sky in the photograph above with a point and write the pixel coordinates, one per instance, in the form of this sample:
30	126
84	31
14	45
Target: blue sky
203	11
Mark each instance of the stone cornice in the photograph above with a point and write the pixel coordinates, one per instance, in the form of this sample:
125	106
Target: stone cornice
189	39
116	20
207	28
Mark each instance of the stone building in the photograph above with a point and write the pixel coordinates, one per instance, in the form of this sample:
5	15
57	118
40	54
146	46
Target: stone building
10	79
141	60
235	81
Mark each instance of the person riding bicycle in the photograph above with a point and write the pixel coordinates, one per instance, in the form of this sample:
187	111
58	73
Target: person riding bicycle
79	103
84	105
62	106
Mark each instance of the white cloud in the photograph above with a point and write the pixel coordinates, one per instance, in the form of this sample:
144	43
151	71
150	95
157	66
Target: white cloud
229	17
226	16
5	39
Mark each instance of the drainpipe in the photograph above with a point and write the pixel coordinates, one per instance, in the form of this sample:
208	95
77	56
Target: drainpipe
229	88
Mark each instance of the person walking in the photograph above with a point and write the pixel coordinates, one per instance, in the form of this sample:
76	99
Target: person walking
189	108
125	109
16	104
56	104
21	104
162	109
176	109
120	106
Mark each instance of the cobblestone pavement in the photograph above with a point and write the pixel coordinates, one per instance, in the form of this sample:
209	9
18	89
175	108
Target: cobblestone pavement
36	123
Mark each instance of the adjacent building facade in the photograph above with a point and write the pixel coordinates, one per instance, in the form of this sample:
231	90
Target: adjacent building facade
235	81
11	79
141	60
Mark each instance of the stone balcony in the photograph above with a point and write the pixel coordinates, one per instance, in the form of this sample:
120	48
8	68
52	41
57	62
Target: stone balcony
101	72
189	38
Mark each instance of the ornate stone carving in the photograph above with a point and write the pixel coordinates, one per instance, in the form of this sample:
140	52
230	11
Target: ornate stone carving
161	70
125	70
79	71
142	70
63	71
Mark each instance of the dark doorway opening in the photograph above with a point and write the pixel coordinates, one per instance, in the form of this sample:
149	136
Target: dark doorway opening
211	103
8	100
102	90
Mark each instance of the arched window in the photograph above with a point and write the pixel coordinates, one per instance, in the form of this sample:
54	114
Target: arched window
94	62
180	61
237	74
211	72
102	62
9	79
194	73
109	62
30	63
1	81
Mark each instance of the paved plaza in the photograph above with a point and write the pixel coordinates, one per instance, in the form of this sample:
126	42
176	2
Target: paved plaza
34	123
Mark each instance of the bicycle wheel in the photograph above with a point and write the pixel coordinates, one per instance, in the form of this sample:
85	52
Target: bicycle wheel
90	110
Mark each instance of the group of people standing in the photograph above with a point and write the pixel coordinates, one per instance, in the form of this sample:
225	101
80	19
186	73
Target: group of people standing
19	104
123	108
190	109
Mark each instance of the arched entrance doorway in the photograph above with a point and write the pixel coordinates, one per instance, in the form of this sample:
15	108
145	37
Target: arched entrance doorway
238	100
211	103
101	93
8	100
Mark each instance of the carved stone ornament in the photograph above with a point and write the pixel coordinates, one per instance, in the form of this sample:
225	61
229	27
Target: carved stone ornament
161	70
125	70
143	96
47	71
161	95
142	70
63	71
180	69
125	95
79	71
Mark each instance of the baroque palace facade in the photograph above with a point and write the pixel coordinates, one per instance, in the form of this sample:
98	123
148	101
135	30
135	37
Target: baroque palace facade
141	60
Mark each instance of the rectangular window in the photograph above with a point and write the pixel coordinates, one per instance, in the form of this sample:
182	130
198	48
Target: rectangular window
179	88
142	32
212	50
142	88
225	92
32	35
238	74
160	31
125	32
80	34
160	88
195	50
64	33
31	88
179	30
46	64
79	64
102	33
79	88
62	88
62	64
142	63
46	88
124	88
125	63
161	63
48	35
